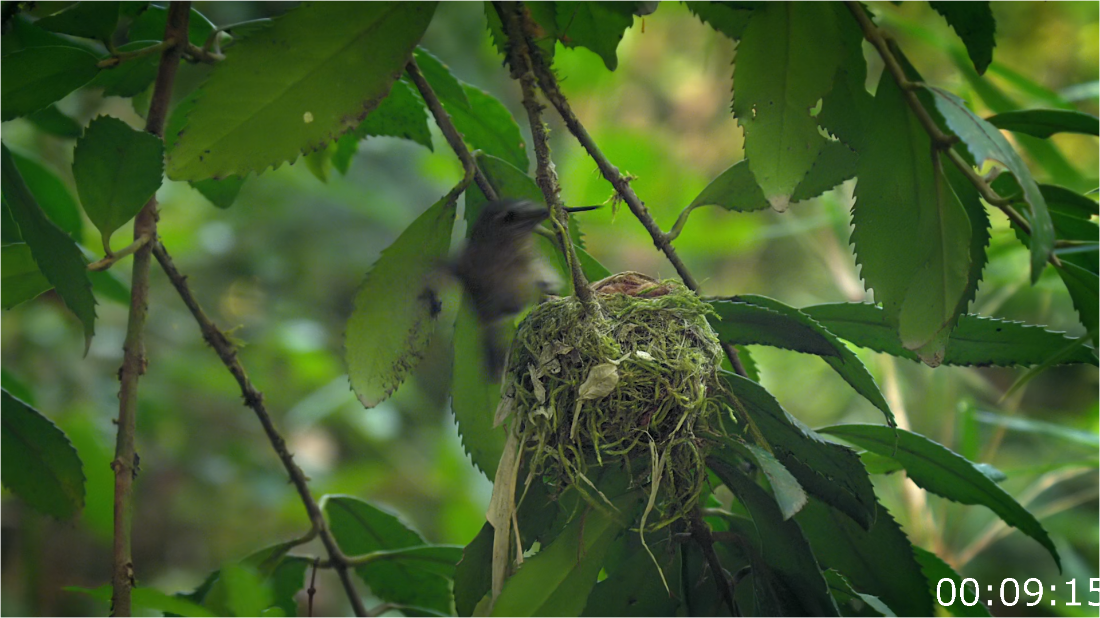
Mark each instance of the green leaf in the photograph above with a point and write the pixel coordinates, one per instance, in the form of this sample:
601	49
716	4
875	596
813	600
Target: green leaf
786	60
474	573
827	471
483	121
419	577
596	26
40	465
943	472
976	341
248	118
835	163
788	494
973	22
91	20
239	591
557	580
847	108
51	120
117	169
221	193
1047	122
396	307
878	561
985	143
149	598
150	25
635	588
131	77
935	570
475	395
53	250
400	114
1084	290
783	549
844	594
979	238
734	189
726	17
762	320
51	193
37	76
1086	439
21	280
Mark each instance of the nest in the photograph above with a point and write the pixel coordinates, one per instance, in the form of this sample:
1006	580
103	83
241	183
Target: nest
630	384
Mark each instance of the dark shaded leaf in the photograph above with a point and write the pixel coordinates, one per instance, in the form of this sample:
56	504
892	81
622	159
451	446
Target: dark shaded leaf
636	588
40	465
37	76
858	604
474	573
21	280
935	570
729	18
973	22
1046	122
221	193
835	164
788	494
51	120
51	193
1084	290
91	20
131	77
150	25
400	114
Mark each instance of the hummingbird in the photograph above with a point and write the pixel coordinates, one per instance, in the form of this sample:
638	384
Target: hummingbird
500	270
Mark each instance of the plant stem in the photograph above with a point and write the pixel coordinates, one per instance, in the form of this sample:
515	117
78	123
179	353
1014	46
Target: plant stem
118	57
111	259
125	463
254	399
519	58
703	535
447	126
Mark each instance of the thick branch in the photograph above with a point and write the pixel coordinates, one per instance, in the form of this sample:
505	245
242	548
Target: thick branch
254	399
447	126
125	463
519	58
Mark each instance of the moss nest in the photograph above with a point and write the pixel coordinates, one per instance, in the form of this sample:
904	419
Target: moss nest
633	383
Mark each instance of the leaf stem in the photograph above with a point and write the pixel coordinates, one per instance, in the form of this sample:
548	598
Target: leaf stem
681	221
519	58
254	399
125	462
112	258
198	54
118	57
447	126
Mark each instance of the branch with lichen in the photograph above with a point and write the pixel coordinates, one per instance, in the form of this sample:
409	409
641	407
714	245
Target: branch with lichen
519	58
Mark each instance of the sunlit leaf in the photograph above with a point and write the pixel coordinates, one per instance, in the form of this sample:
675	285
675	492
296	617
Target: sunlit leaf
40	465
788	494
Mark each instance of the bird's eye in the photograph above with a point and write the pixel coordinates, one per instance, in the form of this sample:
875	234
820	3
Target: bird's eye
509	216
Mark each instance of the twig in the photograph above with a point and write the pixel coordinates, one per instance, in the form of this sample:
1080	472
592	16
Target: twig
112	258
118	57
703	535
312	590
254	399
446	125
125	463
198	54
519	58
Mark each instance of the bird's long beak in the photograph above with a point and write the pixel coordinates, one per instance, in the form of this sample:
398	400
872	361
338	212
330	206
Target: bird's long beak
582	208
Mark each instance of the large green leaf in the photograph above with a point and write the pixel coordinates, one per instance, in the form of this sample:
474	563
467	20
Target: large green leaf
396	307
976	341
117	169
20	279
799	585
878	561
789	495
986	143
400	114
734	189
475	394
483	121
827	471
941	471
1046	122
129	78
751	319
729	18
636	587
51	193
835	163
40	465
786	60
57	256
92	20
420	576
973	22
286	90
1084	290
935	570
37	76
474	573
597	26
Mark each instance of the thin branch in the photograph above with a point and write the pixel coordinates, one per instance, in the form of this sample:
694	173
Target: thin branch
519	58
549	85
111	259
254	399
703	535
446	125
198	54
125	463
118	57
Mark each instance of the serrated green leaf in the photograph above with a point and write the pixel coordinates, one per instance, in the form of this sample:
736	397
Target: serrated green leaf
319	163
55	253
150	25
117	169
1084	290
734	189
845	594
483	121
51	193
92	20
941	471
221	193
786	551
149	598
789	495
935	570
596	26
400	114
52	120
20	279
878	561
847	107
986	143
726	17
131	77
474	573
979	237
361	528
976	341
834	164
396	307
827	471
37	76
974	23
770	322
40	465
786	60
1046	122
249	118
